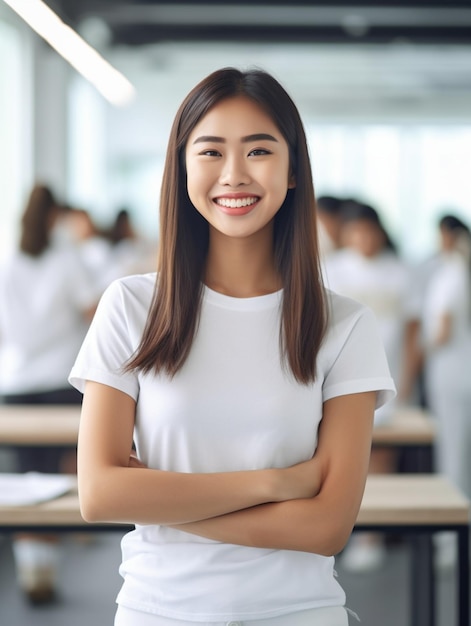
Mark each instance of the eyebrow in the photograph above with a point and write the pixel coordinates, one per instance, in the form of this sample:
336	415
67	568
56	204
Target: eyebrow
246	139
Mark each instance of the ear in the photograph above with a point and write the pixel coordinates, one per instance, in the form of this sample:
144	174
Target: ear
291	181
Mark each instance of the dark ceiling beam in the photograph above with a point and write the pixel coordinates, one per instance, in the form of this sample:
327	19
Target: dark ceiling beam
254	15
140	22
148	34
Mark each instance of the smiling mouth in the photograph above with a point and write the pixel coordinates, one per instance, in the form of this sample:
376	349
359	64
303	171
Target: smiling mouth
236	203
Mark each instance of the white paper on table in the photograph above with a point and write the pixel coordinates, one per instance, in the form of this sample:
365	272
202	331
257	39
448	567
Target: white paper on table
33	487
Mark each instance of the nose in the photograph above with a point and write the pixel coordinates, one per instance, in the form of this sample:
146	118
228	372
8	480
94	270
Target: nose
234	171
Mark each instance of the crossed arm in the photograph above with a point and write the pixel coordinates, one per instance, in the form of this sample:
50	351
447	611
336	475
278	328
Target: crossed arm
310	507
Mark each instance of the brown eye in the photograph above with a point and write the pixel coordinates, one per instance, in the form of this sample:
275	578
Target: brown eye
259	152
210	153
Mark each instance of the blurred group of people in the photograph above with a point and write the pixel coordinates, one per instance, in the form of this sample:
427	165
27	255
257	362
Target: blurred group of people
49	288
424	312
106	253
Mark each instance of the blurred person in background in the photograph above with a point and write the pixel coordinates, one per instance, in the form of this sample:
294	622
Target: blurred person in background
46	304
367	268
329	214
413	384
447	345
78	229
131	253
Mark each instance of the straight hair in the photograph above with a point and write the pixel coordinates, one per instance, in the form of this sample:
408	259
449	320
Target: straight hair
36	221
184	237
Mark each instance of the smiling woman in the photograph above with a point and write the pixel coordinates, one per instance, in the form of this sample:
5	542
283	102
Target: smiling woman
242	170
248	389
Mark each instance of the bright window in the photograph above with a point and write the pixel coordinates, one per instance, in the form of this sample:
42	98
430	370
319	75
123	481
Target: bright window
13	164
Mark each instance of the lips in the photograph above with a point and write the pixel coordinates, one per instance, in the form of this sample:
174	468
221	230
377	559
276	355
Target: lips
236	203
236	206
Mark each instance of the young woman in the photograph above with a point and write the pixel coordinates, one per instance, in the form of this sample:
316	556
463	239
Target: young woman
221	367
447	339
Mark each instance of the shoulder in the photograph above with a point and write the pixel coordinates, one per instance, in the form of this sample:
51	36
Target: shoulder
134	291
123	310
453	274
6	260
343	310
139	286
347	319
17	266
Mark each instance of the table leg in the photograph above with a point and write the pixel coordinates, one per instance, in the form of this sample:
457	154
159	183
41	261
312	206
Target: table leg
422	580
463	576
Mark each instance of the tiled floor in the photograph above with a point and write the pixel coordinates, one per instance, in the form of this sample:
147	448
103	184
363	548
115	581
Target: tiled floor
89	582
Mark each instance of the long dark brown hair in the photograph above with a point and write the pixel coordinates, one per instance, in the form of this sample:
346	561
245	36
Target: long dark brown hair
184	237
37	220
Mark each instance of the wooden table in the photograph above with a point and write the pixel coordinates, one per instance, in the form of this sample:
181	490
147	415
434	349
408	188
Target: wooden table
412	499
58	425
412	432
39	425
409	426
419	505
426	500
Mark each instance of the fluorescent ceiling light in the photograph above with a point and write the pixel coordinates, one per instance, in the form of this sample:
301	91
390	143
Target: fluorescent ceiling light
85	59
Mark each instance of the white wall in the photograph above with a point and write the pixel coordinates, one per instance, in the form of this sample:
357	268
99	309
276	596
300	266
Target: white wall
50	115
16	157
33	120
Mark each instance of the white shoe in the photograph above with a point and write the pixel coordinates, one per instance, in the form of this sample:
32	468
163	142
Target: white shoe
36	568
363	556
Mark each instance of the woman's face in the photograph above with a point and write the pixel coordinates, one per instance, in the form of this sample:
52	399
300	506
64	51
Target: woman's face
447	239
364	237
238	170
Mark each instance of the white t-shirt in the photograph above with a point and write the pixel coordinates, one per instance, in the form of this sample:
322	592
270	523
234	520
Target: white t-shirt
448	293
232	406
42	324
383	284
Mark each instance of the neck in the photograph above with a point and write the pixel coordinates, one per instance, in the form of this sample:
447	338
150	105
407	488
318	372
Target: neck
242	268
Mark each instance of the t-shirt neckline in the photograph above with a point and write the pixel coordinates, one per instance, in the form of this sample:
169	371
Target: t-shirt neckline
242	304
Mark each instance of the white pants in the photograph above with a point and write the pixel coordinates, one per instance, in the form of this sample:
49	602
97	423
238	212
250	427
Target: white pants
449	397
329	616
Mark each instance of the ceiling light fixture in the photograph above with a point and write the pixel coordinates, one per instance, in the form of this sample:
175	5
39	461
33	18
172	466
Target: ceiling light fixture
113	86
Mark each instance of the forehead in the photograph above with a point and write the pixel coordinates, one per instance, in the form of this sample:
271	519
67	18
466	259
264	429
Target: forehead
237	116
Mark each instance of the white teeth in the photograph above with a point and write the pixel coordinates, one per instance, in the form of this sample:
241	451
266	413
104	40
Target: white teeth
236	203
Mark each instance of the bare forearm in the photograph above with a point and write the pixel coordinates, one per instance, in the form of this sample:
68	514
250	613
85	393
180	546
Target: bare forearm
139	495
145	496
307	525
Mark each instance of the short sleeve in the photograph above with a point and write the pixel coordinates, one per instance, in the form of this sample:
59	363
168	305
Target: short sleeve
356	358
110	342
